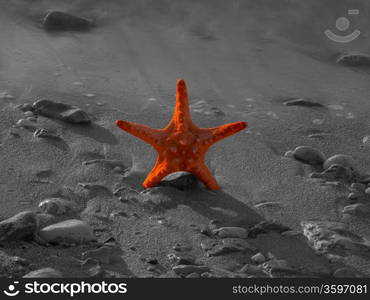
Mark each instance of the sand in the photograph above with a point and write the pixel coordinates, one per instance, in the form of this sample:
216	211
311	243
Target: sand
243	59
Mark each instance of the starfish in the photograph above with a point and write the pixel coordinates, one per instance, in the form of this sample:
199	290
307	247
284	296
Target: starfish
181	145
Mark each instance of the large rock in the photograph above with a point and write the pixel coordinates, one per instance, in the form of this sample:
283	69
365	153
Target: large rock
69	231
61	111
19	227
44	273
61	21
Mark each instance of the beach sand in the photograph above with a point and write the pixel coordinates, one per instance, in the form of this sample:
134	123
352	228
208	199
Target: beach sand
240	60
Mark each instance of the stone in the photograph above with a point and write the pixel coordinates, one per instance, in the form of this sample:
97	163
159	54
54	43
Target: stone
354	59
231	232
61	111
266	227
258	258
180	180
226	246
341	160
358	187
44	220
106	254
309	155
21	226
25	107
253	270
44	273
62	21
334	238
43	133
335	173
358	209
57	206
185	270
193	275
302	102
69	231
110	163
279	268
24	123
96	271
181	259
367	191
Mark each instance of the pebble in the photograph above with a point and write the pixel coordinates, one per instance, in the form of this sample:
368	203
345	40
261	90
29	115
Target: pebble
44	273
44	220
28	114
258	258
341	160
5	95
19	227
43	133
266	227
62	21
110	163
366	140
181	259
253	270
358	209
106	254
333	238
231	232
69	231
279	268
335	173
25	107
96	271
26	124
57	206
309	155
185	270
354	59
358	187
302	102
61	111
180	180
226	246
367	191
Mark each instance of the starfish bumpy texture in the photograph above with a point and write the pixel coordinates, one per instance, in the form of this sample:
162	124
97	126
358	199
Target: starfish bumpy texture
181	145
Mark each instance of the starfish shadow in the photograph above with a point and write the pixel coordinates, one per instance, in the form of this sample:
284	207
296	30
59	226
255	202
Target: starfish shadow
221	206
93	131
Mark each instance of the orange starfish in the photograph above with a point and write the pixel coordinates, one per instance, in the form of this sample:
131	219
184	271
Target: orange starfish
181	145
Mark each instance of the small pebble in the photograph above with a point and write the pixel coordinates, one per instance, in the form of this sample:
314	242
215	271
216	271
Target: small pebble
258	258
309	155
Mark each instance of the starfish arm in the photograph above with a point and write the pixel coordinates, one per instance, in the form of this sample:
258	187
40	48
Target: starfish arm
204	175
147	134
159	171
223	131
181	116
